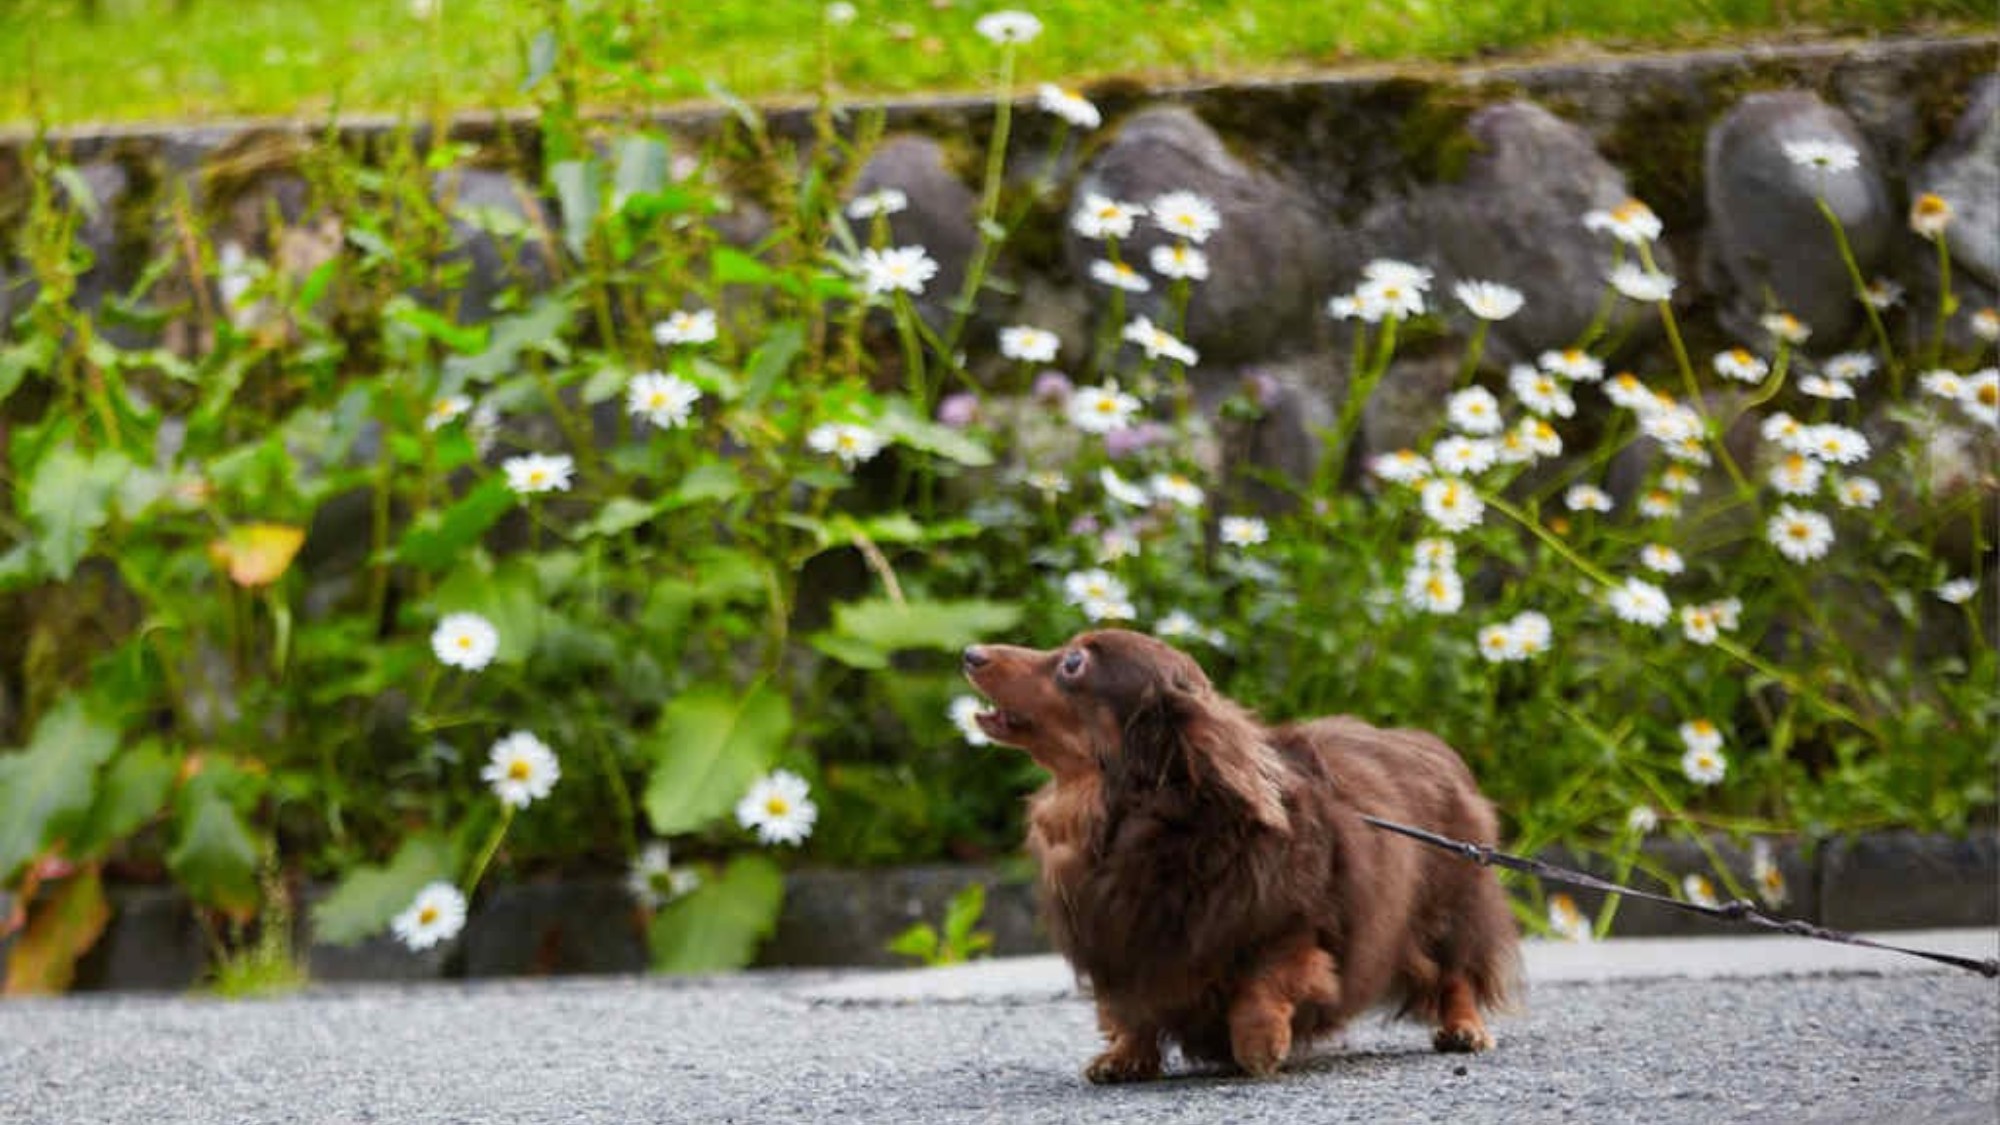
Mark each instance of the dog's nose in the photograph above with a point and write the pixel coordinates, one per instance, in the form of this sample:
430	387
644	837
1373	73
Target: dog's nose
975	657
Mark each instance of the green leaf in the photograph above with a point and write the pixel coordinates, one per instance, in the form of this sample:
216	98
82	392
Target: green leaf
45	787
214	855
642	169
437	539
135	789
782	345
541	59
509	596
372	894
711	744
961	915
17	360
731	266
64	925
919	941
932	438
947	625
464	339
710	480
849	651
580	193
717	927
69	499
619	515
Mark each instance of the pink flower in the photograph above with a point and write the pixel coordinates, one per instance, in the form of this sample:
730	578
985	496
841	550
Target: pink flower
958	411
1053	387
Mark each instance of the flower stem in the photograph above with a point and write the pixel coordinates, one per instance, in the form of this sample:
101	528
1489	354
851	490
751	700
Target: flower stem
1861	291
486	853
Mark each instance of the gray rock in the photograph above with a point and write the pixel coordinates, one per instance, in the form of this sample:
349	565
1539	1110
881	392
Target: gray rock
1298	400
116	231
152	943
1767	239
834	917
1407	405
1901	880
1516	217
479	201
1965	170
1270	261
582	926
940	216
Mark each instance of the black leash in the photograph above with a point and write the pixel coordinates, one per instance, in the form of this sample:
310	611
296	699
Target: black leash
1736	911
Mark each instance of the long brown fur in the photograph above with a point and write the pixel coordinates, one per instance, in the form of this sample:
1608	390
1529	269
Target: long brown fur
1210	878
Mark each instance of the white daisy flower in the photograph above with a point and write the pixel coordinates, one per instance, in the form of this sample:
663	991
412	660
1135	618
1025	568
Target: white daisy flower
1462	456
1641	284
1658	504
1566	921
1179	261
1539	438
779	808
683	327
1785	432
1029	344
1800	535
1857	492
1244	531
1795	474
1765	873
1177	624
1093	586
899	269
1819	386
1473	410
1120	542
1837	445
1661	559
1104	217
1345	307
1957	591
1670	425
1930	214
1115	487
1404	466
539	472
1101	409
1433	591
1698	890
1699	624
1740	365
1186	215
436	915
1488	300
1049	482
964	711
1631	222
1435	552
1986	324
1704	767
1981	397
1823	155
1529	634
1586	498
1640	602
1005	27
1118	275
1496	643
653	881
1882	293
521	769
1177	489
1680	480
445	410
884	201
1109	609
851	443
1395	272
1574	364
1627	390
1156	342
1642	820
465	640
1068	105
665	401
1785	328
1727	612
1700	734
1389	296
1540	392
1452	504
1943	384
1849	367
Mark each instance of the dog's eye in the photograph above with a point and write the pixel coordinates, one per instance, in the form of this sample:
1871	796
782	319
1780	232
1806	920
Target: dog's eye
1072	664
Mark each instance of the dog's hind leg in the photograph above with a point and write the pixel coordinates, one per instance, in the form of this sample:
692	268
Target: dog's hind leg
1459	1026
1133	1056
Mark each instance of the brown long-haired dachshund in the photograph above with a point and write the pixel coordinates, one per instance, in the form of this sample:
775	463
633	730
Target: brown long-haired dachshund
1210	878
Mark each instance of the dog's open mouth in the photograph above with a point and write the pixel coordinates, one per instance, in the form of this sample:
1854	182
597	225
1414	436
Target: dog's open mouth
1002	725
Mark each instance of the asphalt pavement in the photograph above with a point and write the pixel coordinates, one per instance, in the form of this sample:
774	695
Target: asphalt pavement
1763	1029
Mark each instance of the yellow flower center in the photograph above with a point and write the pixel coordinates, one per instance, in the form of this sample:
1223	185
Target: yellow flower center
427	915
464	640
537	476
1932	206
776	805
1629	210
1799	531
519	770
1987	393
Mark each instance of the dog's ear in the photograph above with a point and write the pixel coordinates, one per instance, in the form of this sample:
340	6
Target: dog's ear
1185	734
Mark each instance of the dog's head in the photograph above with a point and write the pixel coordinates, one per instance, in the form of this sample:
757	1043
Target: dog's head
1135	708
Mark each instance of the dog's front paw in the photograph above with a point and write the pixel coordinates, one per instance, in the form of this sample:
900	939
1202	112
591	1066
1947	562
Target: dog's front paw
1261	1050
1463	1039
1123	1065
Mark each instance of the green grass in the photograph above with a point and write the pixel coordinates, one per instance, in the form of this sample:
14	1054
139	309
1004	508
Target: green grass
152	59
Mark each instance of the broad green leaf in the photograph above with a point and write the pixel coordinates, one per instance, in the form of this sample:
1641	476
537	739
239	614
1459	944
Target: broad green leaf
642	169
45	788
919	941
711	744
214	856
438	539
464	339
730	266
619	515
710	480
372	894
948	625
717	928
134	790
942	441
69	499
580	194
849	651
62	926
541	59
17	360
773	358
